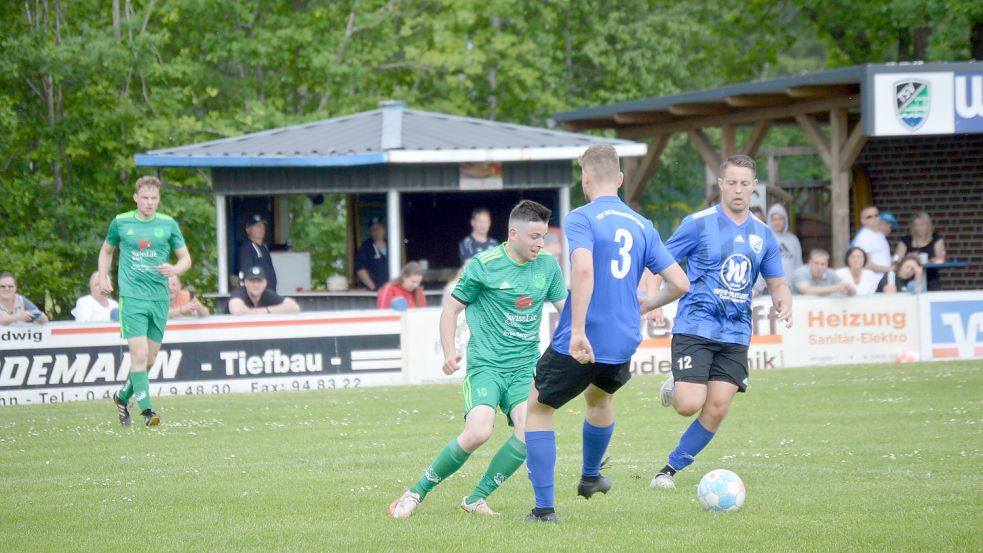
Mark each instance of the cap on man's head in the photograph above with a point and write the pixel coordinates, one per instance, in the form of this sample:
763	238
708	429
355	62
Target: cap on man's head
890	218
255	273
256	218
376	221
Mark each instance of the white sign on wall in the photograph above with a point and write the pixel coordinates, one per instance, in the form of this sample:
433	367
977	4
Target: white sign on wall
943	102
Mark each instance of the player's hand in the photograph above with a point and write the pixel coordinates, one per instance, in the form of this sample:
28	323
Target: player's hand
451	364
580	349
784	313
656	316
105	285
167	270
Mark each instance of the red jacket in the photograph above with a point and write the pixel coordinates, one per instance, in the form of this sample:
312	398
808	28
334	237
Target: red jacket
389	292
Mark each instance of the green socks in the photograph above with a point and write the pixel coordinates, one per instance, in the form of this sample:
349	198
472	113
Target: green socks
506	461
450	458
140	385
126	392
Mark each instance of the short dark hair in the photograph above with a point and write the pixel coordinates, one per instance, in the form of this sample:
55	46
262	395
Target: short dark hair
846	258
479	210
528	211
739	160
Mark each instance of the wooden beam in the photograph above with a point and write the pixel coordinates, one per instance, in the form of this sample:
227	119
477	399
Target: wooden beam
581	124
642	117
823	91
699	109
757	136
757	100
785	151
815	134
853	146
706	150
728	141
742	117
635	188
839	183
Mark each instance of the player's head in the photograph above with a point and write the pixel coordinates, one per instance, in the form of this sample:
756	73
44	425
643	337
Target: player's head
528	225
818	262
480	220
146	194
737	181
600	171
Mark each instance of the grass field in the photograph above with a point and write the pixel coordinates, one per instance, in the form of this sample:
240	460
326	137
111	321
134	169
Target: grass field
872	458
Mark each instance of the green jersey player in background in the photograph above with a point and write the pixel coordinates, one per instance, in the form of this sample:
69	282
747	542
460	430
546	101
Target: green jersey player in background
145	239
502	292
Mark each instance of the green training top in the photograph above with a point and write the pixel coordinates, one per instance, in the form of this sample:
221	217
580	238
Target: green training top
504	302
143	245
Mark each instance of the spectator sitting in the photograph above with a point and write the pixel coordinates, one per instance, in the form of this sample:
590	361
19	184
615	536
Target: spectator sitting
871	239
478	241
15	308
254	297
817	279
925	243
253	250
372	259
863	280
909	277
183	302
95	307
405	286
788	243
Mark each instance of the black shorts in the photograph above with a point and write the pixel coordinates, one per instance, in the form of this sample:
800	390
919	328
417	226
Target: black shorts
696	359
560	378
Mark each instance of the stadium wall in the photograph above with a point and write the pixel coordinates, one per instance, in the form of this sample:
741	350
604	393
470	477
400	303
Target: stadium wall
942	175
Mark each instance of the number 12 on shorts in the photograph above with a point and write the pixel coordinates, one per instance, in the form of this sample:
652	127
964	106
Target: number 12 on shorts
685	362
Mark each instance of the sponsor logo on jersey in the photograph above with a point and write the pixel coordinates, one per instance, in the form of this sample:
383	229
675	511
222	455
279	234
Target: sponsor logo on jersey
756	243
524	302
735	271
143	244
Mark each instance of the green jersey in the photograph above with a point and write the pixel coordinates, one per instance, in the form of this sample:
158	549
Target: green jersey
143	245
504	302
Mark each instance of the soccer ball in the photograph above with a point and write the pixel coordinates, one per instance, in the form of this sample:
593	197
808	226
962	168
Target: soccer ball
908	356
721	490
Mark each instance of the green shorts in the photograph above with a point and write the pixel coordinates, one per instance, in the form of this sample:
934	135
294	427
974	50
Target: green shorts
498	390
139	317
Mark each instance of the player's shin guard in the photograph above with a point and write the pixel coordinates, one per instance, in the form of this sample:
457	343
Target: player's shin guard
450	458
541	462
596	440
690	444
141	389
506	461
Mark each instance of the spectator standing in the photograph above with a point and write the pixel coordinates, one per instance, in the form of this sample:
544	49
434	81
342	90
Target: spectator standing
255	297
15	308
863	280
405	286
253	251
871	239
923	242
183	302
95	307
788	243
478	241
372	258
817	279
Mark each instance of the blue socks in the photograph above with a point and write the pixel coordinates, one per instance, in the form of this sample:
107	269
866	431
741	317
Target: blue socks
596	440
541	463
690	444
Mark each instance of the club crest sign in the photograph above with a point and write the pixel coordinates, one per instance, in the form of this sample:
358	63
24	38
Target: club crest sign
912	103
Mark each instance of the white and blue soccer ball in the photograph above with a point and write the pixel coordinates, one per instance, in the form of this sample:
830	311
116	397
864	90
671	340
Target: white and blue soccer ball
721	490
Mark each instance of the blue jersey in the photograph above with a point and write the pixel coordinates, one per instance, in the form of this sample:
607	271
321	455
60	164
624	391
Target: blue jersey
723	260
623	244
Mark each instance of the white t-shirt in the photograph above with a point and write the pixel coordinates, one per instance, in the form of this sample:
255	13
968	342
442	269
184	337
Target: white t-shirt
875	245
88	309
868	280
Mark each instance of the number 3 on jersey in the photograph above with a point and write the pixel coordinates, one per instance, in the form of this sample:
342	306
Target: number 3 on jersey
620	266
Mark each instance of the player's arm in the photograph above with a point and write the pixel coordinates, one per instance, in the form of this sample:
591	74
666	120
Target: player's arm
105	262
177	269
559	305
781	298
581	291
448	327
677	284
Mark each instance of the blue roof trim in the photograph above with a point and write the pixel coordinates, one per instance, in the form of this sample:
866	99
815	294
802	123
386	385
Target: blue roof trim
149	160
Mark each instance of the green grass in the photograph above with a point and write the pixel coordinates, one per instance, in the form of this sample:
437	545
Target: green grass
872	458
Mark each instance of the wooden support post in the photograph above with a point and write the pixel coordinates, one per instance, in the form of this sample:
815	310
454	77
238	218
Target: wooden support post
840	182
756	137
854	145
728	141
635	185
706	150
812	130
